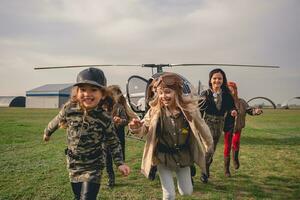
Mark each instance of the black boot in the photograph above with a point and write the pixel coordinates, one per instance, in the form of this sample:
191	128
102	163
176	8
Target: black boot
226	166
204	178
236	161
208	163
111	180
207	169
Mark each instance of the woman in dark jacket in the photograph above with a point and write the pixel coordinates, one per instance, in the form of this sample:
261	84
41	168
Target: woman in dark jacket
216	102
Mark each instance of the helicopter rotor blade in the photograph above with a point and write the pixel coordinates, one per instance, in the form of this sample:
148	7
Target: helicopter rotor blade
159	65
229	65
78	66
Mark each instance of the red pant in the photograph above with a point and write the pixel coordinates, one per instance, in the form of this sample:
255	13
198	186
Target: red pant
233	140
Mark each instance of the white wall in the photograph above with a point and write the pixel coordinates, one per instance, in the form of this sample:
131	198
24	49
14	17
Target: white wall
42	102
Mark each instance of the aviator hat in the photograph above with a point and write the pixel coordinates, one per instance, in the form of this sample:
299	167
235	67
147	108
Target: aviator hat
92	76
186	86
170	80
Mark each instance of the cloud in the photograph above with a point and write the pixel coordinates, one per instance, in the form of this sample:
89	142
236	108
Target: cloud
68	32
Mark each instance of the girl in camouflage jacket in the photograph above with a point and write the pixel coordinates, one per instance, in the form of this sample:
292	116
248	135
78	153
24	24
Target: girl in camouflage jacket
89	129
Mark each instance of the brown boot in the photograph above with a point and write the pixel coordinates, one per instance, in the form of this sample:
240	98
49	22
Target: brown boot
226	166
236	162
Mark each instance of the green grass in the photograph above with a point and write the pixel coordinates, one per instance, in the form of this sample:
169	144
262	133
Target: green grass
32	169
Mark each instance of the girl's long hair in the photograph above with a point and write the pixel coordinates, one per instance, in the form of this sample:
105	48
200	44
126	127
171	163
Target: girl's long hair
187	102
72	100
234	86
116	92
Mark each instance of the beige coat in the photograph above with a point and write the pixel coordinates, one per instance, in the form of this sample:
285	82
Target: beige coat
201	139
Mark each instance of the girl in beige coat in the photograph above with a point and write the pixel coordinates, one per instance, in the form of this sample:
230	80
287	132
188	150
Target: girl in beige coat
176	136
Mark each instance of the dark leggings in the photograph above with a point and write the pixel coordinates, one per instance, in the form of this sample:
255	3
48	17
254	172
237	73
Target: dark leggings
85	190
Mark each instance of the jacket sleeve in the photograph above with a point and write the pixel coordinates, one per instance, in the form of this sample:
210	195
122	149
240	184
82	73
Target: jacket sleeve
112	141
249	109
203	102
53	125
230	103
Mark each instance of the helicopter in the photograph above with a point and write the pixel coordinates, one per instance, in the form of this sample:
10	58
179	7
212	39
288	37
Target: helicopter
137	87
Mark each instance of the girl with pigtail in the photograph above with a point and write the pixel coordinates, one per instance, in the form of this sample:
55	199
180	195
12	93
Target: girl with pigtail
121	114
233	127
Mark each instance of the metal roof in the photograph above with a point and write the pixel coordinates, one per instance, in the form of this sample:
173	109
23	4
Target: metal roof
51	89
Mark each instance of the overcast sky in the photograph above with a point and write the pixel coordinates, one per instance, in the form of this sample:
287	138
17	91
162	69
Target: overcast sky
38	33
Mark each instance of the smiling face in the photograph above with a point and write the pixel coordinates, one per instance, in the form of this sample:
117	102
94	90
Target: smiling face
216	81
166	97
89	96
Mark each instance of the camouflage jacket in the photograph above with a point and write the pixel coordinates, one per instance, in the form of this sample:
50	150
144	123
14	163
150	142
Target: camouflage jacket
87	135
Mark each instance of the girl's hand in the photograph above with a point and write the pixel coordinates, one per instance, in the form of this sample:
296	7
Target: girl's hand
258	111
135	124
124	169
46	138
117	120
233	113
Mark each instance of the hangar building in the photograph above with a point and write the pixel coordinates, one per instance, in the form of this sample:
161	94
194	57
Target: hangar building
48	96
12	101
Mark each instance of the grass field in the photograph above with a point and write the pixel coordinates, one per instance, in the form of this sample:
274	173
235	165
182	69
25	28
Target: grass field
32	169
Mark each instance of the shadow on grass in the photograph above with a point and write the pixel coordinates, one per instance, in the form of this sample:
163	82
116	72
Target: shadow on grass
289	187
295	140
247	187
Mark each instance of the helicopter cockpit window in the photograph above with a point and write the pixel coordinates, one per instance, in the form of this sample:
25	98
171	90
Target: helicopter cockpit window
136	87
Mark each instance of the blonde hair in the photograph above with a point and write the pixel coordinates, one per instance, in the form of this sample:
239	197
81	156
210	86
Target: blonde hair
187	103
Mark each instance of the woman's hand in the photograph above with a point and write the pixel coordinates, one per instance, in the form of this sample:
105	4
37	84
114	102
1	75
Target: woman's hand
135	124
124	169
46	138
233	113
